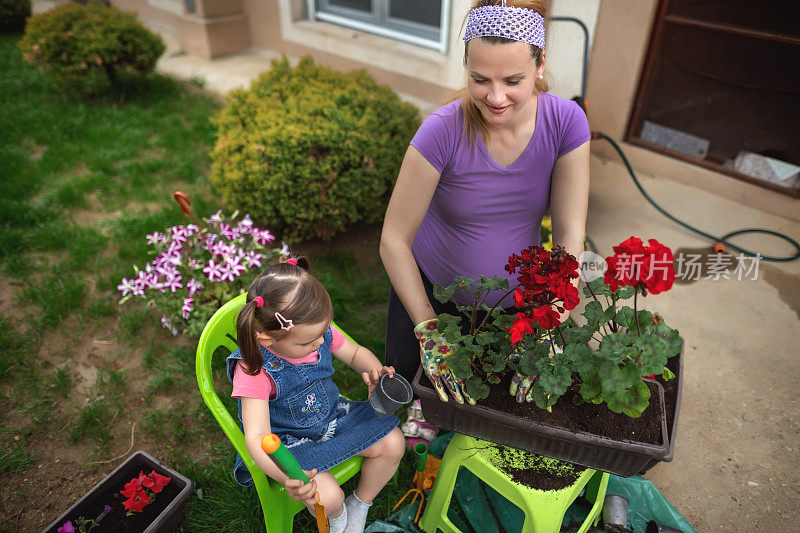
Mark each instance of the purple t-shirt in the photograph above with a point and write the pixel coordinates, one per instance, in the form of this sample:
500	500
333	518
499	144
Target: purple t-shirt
482	212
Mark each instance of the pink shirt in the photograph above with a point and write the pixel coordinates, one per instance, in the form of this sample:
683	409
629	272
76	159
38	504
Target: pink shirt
261	386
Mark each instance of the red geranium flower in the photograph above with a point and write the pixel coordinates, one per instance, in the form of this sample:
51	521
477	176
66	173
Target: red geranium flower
520	327
649	268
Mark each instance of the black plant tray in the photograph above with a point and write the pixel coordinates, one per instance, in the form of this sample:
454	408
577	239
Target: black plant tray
622	458
175	495
672	402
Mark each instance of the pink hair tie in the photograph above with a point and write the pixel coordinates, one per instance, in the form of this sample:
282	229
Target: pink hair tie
292	261
259	301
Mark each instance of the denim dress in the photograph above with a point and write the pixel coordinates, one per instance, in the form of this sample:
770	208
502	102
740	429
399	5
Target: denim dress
320	427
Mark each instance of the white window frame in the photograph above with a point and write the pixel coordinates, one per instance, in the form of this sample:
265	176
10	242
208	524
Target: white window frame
392	33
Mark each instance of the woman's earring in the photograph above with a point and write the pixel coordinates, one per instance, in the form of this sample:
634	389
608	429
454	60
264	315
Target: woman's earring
541	76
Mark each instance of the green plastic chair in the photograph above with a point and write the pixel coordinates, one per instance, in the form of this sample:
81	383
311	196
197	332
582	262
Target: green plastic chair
279	509
544	509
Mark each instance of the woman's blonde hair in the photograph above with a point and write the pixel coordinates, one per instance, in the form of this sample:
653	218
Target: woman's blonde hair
473	119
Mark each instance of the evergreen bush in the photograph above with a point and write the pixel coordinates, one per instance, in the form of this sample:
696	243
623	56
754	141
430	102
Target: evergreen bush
88	47
310	150
13	14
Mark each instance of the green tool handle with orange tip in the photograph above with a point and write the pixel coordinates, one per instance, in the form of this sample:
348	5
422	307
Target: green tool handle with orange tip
272	446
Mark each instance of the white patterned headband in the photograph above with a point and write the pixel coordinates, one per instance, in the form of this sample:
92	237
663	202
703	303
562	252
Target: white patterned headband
515	23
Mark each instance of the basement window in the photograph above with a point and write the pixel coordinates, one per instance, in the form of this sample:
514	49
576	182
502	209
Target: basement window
719	88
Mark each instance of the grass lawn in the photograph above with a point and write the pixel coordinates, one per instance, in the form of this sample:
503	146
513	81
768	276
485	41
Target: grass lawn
82	183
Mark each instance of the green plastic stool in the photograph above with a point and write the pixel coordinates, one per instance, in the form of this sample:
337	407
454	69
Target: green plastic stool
279	509
544	509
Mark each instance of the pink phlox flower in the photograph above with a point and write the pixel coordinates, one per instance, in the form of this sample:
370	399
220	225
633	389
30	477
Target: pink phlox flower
253	259
212	270
193	286
175	247
284	249
187	307
262	236
178	233
140	283
191	229
221	249
235	266
246	225
216	217
156	238
126	286
166	322
193	263
173	282
228	232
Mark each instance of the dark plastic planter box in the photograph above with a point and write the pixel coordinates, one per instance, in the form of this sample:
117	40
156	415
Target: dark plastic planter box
601	453
165	521
672	422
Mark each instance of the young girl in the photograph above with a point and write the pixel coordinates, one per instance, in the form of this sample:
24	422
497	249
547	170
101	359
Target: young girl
281	374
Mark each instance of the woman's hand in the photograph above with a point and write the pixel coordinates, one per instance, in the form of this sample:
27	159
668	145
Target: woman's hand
434	352
306	493
373	376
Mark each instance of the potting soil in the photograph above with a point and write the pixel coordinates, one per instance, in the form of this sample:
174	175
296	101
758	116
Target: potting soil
476	507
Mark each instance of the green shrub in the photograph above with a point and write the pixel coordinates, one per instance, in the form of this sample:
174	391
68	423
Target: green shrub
310	150
88	47
13	14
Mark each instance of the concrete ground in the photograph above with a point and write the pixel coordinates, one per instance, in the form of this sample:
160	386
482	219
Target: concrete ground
736	464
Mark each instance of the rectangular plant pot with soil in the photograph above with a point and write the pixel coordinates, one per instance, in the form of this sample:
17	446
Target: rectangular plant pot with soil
573	433
162	514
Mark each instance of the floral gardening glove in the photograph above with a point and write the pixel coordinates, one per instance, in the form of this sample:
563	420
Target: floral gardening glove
433	351
521	384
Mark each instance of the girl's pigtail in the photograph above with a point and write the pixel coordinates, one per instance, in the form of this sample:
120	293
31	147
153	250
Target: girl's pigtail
246	339
302	262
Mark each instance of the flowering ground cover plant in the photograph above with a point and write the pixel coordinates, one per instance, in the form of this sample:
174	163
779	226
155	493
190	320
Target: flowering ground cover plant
142	490
532	342
196	269
84	525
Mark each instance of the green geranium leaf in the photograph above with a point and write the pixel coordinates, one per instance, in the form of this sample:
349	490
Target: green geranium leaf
485	338
446	319
617	346
652	354
616	378
591	389
495	283
494	379
541	398
452	334
597	286
579	356
632	402
594	313
527	364
623	293
459	363
476	388
443	294
555	380
579	335
625	318
464	282
667	374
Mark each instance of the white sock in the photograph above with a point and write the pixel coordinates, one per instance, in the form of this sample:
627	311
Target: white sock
357	514
338	524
